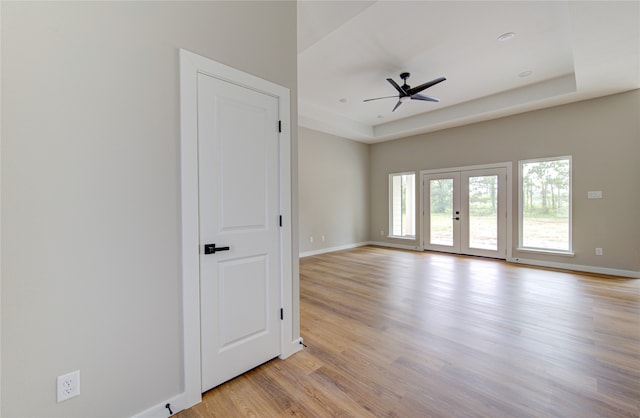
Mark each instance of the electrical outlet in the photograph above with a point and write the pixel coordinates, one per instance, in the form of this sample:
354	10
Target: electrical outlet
598	251
311	239
68	385
381	233
322	238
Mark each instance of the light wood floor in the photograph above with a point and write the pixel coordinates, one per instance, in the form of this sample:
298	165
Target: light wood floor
394	333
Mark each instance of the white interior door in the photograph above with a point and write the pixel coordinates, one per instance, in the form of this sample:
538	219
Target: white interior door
465	212
239	229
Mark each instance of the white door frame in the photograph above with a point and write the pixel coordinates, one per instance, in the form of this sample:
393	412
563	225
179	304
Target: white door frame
509	187
190	65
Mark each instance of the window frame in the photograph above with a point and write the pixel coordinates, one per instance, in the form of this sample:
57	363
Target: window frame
415	220
555	251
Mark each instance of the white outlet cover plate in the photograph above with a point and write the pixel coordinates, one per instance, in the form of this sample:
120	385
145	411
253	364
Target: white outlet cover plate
68	385
594	194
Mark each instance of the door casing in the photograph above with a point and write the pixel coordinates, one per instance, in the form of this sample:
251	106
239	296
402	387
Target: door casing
190	65
508	166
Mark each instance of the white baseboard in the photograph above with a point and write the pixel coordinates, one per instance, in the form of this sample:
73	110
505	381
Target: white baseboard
577	267
160	410
358	244
296	345
393	245
178	402
332	249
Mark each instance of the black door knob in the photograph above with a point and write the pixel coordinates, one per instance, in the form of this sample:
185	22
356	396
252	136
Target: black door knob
211	248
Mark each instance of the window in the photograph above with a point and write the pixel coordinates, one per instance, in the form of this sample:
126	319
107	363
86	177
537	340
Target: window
402	211
545	204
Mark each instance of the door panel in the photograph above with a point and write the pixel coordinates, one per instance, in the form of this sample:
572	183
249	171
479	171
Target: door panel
243	197
465	212
442	227
238	191
235	277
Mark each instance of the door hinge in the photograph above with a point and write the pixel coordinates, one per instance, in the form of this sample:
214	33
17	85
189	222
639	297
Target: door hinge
279	126
281	314
280	221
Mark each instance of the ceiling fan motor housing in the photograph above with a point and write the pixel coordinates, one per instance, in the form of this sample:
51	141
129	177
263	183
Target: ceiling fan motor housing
404	77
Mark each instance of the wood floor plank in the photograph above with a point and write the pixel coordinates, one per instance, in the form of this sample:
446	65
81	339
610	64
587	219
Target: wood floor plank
398	333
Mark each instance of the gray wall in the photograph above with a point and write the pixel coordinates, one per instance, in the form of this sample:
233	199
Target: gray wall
90	189
333	191
602	135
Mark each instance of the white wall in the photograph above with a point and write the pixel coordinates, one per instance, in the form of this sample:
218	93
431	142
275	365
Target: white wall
602	135
333	191
90	189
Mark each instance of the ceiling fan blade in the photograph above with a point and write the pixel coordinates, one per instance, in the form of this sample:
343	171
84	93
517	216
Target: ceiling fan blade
426	85
397	105
397	87
378	98
425	98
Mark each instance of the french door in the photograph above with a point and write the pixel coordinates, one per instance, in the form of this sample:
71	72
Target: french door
465	212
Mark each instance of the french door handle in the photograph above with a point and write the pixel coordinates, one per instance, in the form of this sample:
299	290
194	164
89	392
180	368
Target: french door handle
457	218
211	248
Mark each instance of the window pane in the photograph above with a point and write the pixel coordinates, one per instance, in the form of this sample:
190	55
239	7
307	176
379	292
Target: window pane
483	212
403	205
441	207
545	204
397	205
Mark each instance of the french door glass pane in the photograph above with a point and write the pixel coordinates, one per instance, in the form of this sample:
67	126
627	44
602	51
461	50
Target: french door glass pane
441	195
483	214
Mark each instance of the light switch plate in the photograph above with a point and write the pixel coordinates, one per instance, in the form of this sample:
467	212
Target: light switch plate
595	194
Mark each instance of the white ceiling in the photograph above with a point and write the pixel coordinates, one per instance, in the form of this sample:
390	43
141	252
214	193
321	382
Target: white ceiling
346	49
